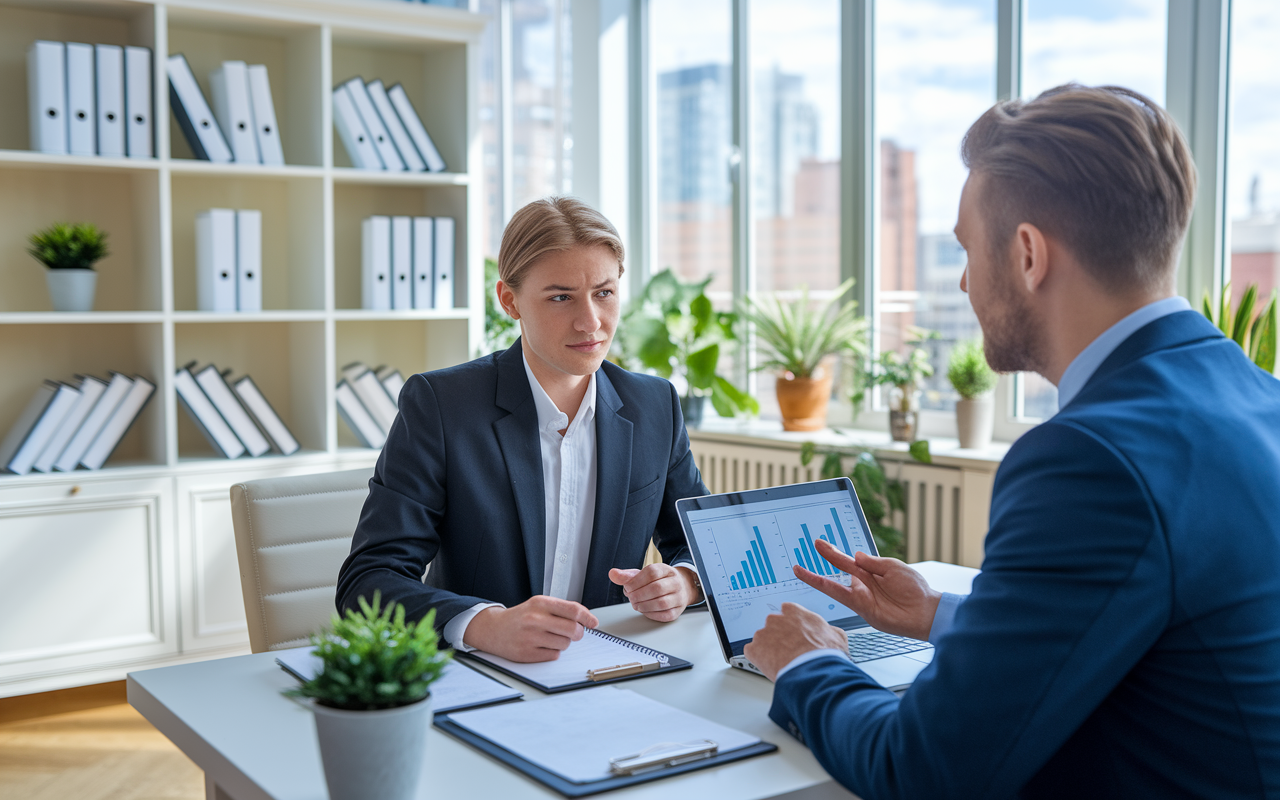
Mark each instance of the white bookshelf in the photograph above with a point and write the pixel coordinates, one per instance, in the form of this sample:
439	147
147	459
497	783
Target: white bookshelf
162	497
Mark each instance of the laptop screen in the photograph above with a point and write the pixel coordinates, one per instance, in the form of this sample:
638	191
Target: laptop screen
745	544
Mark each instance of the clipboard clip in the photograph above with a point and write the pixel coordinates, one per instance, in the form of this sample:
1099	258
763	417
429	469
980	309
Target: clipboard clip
619	671
667	754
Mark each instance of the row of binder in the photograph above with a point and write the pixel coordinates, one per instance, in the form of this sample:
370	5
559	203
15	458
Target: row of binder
241	126
382	130
229	260
407	263
68	425
235	417
367	401
89	99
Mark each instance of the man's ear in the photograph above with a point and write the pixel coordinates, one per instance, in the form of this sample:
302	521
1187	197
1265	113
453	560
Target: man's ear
1031	250
507	299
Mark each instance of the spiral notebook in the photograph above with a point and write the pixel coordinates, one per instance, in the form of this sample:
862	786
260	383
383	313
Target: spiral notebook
597	658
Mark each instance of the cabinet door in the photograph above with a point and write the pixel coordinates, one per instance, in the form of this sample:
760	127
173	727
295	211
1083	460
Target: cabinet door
209	573
86	576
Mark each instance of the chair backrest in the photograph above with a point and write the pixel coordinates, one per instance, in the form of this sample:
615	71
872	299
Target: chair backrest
292	535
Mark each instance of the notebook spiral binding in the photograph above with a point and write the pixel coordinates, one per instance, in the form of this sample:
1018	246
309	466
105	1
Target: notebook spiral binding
662	658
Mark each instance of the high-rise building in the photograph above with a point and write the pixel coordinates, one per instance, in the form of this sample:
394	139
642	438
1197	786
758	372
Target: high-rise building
899	227
1255	253
784	135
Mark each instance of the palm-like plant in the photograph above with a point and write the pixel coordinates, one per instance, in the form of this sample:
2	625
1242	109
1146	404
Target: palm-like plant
1256	335
795	336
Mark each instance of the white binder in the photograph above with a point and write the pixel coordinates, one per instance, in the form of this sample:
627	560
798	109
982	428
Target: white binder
442	268
229	87
357	418
392	381
373	123
91	390
387	112
423	257
109	66
248	260
216	260
264	117
193	114
352	131
266	416
206	417
375	264
47	96
119	423
223	399
137	101
401	263
417	131
373	395
102	411
82	114
37	425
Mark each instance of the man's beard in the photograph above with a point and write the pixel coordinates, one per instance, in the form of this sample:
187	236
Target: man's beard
1011	339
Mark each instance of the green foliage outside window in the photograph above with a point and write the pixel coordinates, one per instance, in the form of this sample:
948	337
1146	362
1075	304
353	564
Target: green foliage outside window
1256	335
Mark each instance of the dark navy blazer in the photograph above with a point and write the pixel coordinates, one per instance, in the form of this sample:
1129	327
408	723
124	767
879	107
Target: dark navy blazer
1123	639
459	486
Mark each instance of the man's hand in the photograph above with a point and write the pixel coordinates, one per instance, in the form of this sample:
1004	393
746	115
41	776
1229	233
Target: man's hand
888	594
658	591
536	630
794	632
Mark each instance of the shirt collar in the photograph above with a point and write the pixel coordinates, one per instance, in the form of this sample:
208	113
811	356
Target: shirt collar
1082	367
550	418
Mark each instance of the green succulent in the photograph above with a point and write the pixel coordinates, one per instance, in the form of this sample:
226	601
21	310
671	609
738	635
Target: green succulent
969	372
69	246
1256	335
373	660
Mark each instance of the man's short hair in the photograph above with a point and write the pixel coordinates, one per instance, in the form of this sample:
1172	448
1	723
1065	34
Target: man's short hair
552	225
1103	170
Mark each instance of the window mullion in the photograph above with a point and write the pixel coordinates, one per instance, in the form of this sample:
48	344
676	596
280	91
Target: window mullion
1009	17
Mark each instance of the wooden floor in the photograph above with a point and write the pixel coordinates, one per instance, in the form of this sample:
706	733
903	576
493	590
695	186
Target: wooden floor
88	744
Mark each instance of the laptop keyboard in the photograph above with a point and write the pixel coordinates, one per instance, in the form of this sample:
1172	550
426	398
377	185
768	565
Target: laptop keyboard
870	646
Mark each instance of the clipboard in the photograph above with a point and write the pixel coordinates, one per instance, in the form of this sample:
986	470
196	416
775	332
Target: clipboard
616	669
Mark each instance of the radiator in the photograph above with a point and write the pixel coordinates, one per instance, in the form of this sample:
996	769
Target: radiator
946	507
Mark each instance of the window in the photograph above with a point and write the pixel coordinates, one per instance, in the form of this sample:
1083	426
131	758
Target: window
935	74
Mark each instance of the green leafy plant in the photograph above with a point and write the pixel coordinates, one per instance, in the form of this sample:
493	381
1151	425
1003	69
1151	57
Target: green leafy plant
968	371
672	328
892	369
795	336
69	246
500	330
373	660
879	494
1256	334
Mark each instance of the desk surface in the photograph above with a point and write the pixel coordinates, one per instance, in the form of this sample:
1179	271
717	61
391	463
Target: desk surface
229	717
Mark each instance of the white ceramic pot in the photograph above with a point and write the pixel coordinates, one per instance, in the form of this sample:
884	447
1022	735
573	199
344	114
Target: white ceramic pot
71	289
974	420
368	754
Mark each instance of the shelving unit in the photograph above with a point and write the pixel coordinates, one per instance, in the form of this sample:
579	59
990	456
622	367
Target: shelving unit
155	521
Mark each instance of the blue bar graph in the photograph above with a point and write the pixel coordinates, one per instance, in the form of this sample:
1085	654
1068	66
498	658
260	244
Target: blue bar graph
733	581
746	570
836	518
742	583
757	569
762	556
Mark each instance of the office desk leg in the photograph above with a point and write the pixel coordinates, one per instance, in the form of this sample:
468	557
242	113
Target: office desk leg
214	792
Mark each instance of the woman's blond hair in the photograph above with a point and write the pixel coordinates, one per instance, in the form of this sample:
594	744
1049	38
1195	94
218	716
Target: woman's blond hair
552	225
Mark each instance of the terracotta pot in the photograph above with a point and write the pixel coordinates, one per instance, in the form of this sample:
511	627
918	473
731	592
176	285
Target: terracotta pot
804	401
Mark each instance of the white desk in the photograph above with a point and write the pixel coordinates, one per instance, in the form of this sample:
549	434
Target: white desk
228	716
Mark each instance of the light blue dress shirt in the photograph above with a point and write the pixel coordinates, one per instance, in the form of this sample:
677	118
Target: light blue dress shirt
1077	374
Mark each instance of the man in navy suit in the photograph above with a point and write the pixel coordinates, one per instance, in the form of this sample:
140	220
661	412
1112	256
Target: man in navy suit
532	481
1123	638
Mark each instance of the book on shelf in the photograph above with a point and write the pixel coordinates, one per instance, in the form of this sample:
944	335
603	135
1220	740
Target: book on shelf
36	426
357	418
265	415
82	115
372	394
194	116
206	417
219	393
119	423
84	436
91	391
109	70
229	86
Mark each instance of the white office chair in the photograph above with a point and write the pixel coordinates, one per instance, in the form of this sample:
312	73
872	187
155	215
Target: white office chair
292	535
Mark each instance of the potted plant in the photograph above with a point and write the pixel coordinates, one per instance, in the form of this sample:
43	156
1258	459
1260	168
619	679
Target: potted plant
973	380
798	341
672	329
1256	335
500	330
902	376
69	251
371	698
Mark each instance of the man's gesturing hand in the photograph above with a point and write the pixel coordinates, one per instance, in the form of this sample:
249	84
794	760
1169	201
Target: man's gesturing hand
794	632
536	630
888	594
658	591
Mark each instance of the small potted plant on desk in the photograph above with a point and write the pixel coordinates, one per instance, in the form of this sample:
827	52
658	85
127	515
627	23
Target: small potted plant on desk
68	252
902	376
371	699
798	341
672	328
973	380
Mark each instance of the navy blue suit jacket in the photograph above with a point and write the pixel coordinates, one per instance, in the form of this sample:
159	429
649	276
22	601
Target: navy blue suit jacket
1123	639
459	486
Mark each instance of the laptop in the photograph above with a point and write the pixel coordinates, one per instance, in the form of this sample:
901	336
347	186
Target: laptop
744	545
